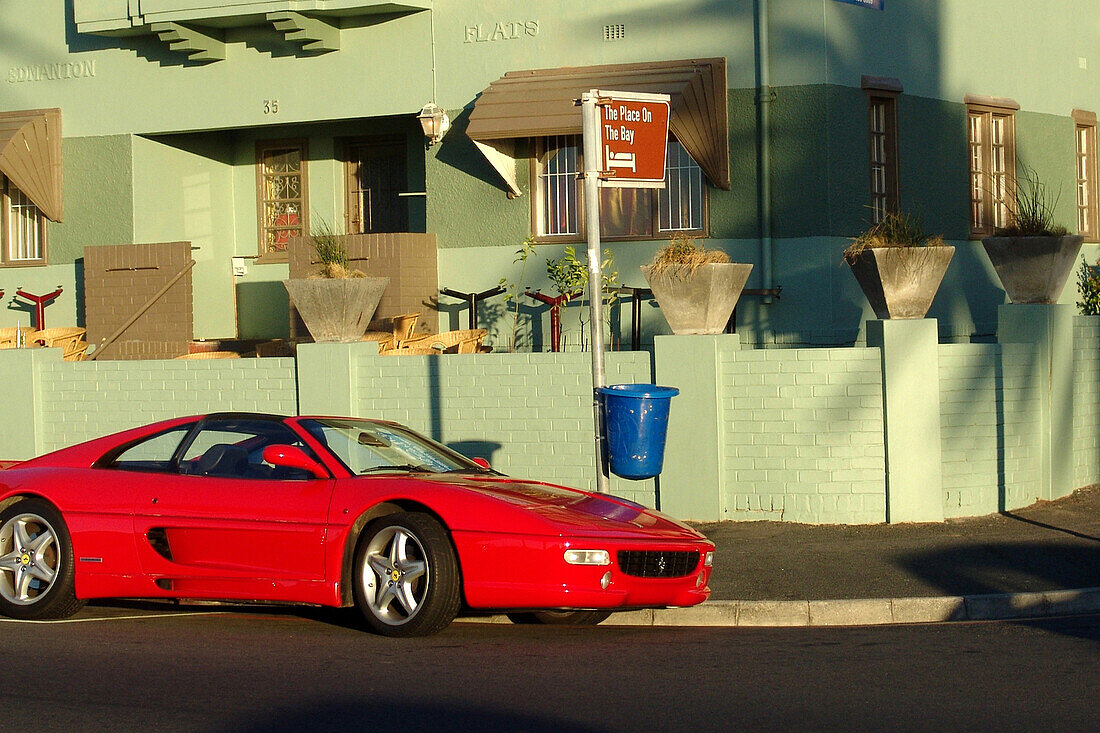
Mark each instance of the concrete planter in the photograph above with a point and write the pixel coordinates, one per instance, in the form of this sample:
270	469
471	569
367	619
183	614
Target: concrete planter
900	282
699	301
1033	269
336	310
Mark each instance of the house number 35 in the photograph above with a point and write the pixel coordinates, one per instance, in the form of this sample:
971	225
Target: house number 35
271	106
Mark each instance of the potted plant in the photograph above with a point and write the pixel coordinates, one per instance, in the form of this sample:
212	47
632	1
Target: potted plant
696	288
898	267
1033	256
337	302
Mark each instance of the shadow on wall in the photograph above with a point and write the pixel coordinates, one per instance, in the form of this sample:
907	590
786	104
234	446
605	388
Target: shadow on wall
476	448
263	310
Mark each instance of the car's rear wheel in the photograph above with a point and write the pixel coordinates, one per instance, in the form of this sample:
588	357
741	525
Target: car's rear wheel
560	618
36	563
406	576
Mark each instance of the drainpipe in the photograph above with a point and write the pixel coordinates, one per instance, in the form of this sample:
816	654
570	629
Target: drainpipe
764	97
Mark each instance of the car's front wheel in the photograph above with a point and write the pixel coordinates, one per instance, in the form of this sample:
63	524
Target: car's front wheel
560	618
36	563
406	576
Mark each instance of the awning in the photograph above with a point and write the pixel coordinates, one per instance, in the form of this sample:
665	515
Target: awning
30	156
539	102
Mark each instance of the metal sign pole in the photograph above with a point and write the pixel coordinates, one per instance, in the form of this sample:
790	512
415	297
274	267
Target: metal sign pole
590	126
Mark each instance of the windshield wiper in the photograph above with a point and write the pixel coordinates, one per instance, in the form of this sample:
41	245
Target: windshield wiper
403	467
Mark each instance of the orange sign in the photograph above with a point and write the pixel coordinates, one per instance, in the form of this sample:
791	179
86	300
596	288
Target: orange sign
633	133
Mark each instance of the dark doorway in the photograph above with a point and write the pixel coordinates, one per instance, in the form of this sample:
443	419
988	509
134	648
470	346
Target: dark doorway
376	173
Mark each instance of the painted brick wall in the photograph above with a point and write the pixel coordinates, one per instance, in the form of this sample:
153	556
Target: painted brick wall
803	435
530	415
120	279
1086	400
989	418
83	400
1022	400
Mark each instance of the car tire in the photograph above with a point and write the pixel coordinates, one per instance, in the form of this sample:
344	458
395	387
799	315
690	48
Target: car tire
37	576
560	618
406	577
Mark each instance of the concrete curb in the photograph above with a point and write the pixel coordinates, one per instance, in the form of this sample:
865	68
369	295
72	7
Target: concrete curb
863	611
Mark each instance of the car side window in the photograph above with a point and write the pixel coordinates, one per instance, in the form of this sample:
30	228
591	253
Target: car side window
152	454
233	448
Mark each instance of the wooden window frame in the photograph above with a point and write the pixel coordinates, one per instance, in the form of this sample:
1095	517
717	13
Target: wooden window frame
538	150
988	108
1089	213
5	228
882	92
262	146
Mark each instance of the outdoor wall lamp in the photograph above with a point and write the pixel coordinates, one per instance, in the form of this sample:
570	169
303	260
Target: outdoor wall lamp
435	122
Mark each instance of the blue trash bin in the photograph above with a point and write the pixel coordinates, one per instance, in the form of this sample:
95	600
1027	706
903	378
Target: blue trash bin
636	421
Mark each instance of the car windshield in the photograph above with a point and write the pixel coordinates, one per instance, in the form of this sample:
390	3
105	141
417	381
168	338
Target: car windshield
367	447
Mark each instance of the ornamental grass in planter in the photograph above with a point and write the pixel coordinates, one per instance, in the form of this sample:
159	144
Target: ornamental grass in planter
696	288
336	303
898	267
1033	256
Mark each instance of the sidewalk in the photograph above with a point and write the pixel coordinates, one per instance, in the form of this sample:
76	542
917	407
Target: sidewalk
1039	561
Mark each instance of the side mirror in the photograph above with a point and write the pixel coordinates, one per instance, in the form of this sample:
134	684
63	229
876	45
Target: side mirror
481	462
288	456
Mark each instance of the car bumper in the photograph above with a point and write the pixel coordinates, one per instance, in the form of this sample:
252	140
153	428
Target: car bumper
502	571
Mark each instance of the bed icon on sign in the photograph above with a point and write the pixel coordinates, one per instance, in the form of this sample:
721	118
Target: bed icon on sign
620	160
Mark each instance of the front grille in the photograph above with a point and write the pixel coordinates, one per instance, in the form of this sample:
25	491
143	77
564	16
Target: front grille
658	563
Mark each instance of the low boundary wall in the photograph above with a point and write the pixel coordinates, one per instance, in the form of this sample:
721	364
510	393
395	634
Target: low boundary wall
903	429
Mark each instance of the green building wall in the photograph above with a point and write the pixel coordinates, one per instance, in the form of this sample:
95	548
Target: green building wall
161	148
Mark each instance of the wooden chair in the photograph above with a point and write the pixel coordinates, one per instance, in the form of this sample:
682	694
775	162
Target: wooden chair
65	338
466	341
212	355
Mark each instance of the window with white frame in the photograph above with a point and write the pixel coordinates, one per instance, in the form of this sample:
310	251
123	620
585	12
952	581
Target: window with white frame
1087	209
627	213
992	148
558	203
23	227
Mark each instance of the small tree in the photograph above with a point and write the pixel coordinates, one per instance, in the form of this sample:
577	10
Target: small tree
1088	286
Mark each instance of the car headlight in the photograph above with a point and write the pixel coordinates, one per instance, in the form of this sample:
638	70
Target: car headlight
588	557
708	561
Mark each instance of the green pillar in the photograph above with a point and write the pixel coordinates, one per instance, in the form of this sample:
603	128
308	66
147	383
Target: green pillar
690	484
22	435
911	413
326	377
1050	329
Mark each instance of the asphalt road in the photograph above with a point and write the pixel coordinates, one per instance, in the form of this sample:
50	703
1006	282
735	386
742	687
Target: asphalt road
131	668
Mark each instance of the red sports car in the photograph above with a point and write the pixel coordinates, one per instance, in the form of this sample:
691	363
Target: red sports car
327	511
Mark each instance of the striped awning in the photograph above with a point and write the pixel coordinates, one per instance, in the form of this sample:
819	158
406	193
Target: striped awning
30	156
539	103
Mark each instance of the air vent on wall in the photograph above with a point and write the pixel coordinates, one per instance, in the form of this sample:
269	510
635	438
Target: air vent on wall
616	32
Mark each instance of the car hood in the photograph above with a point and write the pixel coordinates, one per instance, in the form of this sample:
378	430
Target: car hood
575	511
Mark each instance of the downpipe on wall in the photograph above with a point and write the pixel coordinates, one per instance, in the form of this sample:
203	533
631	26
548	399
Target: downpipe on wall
764	97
